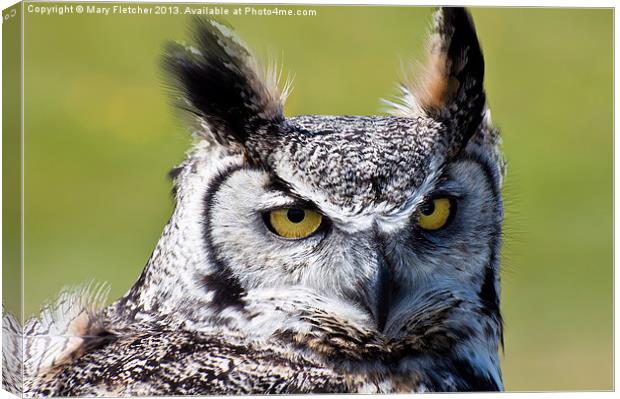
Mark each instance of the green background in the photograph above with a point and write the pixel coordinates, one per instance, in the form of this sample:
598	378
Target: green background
100	137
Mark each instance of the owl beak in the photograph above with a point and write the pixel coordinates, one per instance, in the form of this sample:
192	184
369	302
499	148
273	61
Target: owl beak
385	290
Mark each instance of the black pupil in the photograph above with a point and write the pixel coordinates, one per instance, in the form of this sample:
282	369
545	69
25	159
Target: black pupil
428	208
295	215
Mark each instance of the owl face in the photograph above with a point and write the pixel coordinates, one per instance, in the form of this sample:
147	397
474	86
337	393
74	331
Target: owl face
357	239
365	211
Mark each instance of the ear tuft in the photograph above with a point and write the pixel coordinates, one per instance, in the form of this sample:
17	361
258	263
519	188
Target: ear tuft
450	85
223	85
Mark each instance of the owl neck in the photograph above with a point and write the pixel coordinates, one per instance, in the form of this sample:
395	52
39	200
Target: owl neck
453	347
446	333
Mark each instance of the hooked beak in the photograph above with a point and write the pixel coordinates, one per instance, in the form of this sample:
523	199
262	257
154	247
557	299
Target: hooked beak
381	291
385	291
382	295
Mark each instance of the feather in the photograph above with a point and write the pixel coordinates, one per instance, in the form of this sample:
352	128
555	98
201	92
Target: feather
223	85
62	331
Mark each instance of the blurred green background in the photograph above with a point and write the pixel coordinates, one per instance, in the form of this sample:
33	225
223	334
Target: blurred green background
100	137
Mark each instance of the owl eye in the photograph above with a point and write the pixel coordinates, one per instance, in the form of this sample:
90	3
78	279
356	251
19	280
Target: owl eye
294	223
436	213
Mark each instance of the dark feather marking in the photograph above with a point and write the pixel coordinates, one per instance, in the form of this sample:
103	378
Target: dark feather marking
175	172
218	85
470	380
227	290
172	175
488	294
466	64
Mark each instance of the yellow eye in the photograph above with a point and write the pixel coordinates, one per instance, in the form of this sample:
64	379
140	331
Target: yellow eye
294	222
435	214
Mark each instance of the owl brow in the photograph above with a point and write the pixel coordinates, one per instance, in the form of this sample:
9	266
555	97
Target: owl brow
438	188
442	188
276	183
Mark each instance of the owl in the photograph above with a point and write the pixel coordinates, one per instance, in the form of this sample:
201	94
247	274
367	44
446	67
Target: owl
305	253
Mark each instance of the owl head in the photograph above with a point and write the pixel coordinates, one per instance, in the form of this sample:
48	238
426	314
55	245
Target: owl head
365	241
